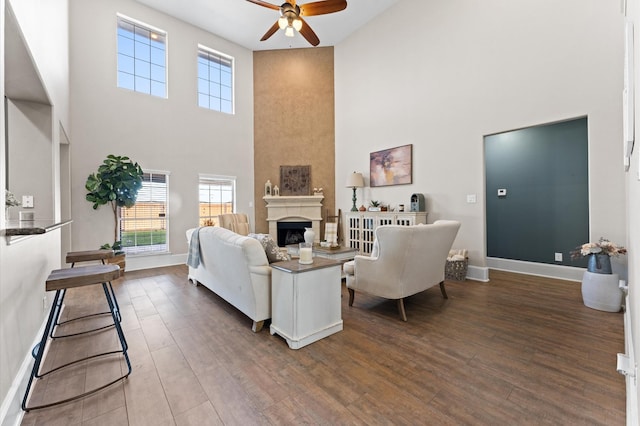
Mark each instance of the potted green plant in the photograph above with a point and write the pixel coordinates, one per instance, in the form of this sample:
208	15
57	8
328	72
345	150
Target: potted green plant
116	183
375	206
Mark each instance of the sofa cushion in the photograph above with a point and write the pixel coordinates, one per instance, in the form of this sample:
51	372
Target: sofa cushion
271	249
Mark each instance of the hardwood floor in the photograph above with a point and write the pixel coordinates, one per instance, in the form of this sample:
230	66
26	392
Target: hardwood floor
517	350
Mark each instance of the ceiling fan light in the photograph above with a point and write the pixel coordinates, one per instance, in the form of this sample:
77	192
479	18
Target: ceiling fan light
297	24
283	23
289	32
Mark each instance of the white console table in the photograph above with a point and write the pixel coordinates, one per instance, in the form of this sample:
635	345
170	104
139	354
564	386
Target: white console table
305	300
361	226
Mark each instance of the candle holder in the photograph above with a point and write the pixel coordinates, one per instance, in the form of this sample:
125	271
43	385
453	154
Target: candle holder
306	254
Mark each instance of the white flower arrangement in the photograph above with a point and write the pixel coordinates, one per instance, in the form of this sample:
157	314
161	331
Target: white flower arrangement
10	200
603	246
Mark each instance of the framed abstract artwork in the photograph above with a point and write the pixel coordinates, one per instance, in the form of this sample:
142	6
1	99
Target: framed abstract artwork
295	180
391	166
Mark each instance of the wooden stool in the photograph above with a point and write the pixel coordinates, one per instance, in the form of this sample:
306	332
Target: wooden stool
60	280
88	255
84	256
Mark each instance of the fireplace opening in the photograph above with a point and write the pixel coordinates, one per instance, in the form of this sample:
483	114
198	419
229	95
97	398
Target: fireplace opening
291	232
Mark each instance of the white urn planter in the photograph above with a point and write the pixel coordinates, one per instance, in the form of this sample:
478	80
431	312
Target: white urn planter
602	291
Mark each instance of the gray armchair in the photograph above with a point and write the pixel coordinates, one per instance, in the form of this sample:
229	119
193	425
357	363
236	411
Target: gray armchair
405	260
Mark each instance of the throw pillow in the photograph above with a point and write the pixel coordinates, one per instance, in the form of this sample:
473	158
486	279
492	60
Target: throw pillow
271	249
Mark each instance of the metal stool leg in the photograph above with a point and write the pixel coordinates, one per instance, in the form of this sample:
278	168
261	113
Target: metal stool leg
115	314
39	352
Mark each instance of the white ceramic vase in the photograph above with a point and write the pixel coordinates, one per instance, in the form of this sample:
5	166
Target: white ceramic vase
309	235
602	292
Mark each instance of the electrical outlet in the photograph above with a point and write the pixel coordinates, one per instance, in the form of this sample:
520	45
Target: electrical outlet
27	201
44	303
558	257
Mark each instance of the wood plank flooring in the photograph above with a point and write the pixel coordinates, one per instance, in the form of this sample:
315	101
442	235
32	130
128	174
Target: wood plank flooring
518	350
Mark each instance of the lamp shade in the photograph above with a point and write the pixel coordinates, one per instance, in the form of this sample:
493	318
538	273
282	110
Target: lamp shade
355	180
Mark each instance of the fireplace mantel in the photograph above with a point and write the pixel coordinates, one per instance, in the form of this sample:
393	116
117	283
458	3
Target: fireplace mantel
288	208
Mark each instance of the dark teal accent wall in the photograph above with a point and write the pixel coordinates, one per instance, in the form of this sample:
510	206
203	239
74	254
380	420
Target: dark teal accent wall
546	209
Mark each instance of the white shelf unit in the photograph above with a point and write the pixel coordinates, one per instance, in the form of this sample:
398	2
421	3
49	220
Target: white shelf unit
361	226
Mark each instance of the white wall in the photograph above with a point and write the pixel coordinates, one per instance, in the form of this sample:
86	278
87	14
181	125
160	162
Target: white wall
450	72
633	238
25	265
172	134
30	137
45	26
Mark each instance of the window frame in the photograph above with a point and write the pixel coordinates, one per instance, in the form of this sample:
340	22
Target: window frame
212	179
152	29
222	56
166	218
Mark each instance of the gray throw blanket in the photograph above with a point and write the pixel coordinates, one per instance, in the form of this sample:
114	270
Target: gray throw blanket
193	258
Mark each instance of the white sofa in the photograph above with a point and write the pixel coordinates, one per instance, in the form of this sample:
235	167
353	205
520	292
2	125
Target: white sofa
236	268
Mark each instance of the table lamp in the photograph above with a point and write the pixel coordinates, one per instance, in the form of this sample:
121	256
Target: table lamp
354	181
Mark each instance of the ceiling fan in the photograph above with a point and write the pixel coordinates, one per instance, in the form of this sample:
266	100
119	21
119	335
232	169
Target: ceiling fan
291	17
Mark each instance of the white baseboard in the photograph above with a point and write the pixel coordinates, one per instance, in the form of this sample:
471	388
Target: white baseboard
11	409
561	272
631	382
478	273
136	263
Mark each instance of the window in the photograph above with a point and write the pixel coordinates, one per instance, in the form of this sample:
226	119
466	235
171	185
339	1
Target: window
217	196
141	58
215	80
143	227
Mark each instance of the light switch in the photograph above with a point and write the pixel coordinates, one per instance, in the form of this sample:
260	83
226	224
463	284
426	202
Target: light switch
471	198
27	201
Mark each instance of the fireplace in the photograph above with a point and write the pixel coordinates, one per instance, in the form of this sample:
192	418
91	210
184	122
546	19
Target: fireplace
301	211
291	232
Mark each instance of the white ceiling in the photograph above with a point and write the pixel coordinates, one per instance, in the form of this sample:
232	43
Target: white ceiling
245	23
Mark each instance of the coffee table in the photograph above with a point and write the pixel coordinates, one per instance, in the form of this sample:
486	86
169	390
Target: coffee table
341	254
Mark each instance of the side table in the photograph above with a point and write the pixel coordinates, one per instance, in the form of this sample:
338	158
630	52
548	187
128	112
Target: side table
305	300
341	254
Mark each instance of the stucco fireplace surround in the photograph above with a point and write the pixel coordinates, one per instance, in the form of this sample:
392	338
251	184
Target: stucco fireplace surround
300	208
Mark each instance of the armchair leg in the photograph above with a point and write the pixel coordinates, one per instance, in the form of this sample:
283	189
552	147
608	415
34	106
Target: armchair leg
403	315
351	295
444	292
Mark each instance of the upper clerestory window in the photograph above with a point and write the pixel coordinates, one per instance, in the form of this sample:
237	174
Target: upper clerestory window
142	58
215	80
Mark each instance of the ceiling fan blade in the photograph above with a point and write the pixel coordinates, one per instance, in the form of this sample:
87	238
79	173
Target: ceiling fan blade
322	7
308	33
264	4
271	31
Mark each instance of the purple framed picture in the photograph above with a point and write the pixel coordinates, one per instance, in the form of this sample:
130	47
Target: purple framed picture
391	166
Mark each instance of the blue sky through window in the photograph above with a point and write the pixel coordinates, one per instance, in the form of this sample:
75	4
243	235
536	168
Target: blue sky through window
215	81
141	59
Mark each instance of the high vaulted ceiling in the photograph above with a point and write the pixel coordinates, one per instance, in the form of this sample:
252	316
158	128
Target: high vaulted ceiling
245	23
